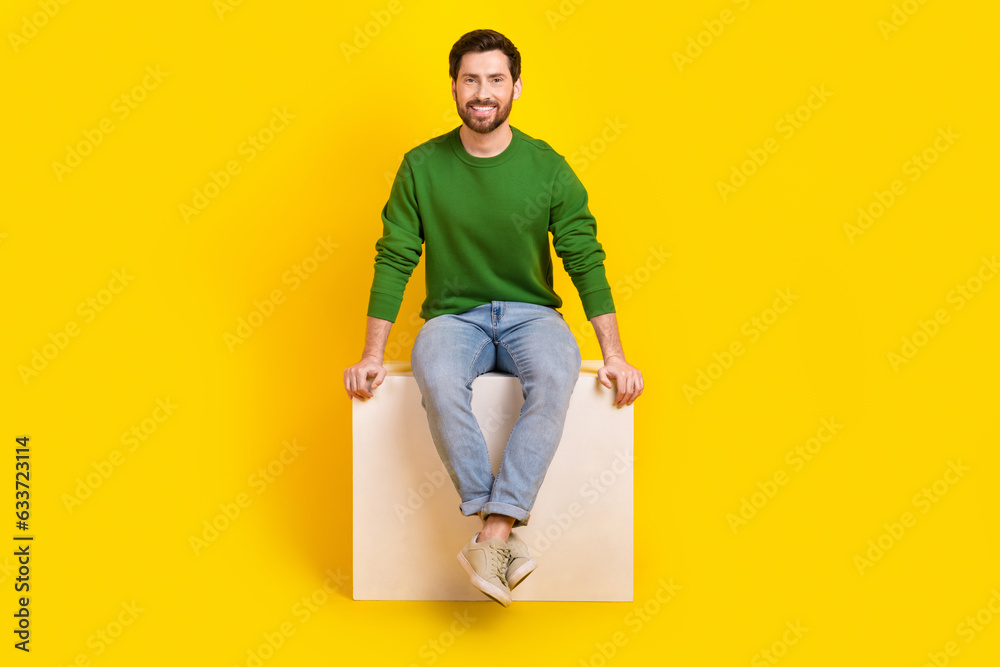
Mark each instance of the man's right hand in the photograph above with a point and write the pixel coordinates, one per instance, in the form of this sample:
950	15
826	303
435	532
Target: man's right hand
356	377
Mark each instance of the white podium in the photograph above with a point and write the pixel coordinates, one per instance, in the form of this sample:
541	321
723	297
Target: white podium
407	526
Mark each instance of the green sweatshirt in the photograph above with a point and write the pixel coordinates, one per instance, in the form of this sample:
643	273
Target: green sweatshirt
484	224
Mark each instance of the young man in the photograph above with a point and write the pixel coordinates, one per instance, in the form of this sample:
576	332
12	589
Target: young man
482	200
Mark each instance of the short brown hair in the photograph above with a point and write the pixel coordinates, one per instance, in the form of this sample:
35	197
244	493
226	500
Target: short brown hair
480	41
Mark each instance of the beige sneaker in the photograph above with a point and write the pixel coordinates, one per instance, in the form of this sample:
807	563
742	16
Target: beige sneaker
521	563
486	563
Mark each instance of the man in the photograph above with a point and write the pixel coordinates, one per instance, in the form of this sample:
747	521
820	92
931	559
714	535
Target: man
482	200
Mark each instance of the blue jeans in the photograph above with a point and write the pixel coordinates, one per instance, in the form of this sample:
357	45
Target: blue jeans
527	340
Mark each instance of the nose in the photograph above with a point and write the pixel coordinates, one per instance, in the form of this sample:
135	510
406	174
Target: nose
481	94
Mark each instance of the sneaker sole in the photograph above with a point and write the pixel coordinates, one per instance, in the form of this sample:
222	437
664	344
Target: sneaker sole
521	573
490	590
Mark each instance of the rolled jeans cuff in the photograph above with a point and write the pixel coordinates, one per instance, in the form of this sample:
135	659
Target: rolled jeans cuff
470	507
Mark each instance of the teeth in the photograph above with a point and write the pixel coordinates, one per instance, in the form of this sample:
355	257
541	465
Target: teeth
482	108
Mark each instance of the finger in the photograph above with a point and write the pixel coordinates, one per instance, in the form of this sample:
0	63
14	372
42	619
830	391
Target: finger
629	390
355	386
624	397
363	387
636	389
641	388
359	384
622	391
379	377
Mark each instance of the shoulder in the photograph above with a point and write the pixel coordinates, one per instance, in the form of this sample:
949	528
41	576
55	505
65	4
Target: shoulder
539	148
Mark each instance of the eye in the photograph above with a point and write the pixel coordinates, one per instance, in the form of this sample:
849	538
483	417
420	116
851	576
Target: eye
498	79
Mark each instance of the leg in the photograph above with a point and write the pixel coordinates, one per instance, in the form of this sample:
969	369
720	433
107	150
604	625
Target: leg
496	526
537	346
449	353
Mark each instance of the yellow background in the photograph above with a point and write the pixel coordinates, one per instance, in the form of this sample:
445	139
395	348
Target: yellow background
655	186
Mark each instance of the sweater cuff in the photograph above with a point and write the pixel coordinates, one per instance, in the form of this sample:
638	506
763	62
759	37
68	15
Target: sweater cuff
383	306
598	302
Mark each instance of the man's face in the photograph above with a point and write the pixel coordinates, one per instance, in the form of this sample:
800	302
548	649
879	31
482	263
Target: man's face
484	91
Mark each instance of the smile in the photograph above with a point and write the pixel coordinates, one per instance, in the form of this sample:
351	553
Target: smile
483	111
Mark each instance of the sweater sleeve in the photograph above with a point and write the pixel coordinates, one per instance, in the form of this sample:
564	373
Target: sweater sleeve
574	237
399	249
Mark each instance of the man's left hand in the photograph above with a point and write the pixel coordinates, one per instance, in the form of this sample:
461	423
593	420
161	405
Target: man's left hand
628	378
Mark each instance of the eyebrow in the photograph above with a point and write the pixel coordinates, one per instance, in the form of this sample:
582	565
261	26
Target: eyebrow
488	76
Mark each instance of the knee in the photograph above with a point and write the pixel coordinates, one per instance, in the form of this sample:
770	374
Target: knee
565	379
567	371
558	381
424	362
436	373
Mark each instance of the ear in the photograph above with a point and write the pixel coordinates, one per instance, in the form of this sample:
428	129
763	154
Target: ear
517	88
454	94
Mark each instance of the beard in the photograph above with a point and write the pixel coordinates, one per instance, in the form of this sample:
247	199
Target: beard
488	124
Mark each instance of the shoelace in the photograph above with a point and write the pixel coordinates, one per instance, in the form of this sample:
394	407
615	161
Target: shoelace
501	557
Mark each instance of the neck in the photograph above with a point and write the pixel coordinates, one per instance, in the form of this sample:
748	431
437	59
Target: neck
486	145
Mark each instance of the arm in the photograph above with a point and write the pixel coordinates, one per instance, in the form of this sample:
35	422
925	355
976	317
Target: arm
627	377
574	238
398	252
356	376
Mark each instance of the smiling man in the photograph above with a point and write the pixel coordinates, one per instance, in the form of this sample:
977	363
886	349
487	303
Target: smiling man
482	201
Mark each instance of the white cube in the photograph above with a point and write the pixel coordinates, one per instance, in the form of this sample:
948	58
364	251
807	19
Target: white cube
407	526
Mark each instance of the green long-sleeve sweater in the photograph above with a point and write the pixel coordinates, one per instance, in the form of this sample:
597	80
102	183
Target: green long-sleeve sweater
484	224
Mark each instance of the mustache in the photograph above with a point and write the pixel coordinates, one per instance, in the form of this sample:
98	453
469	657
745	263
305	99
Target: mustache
484	104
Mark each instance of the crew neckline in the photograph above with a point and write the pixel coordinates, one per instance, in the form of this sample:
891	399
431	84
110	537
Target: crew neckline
472	160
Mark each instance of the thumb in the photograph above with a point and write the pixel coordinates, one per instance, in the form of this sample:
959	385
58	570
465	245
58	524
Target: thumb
602	375
379	377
